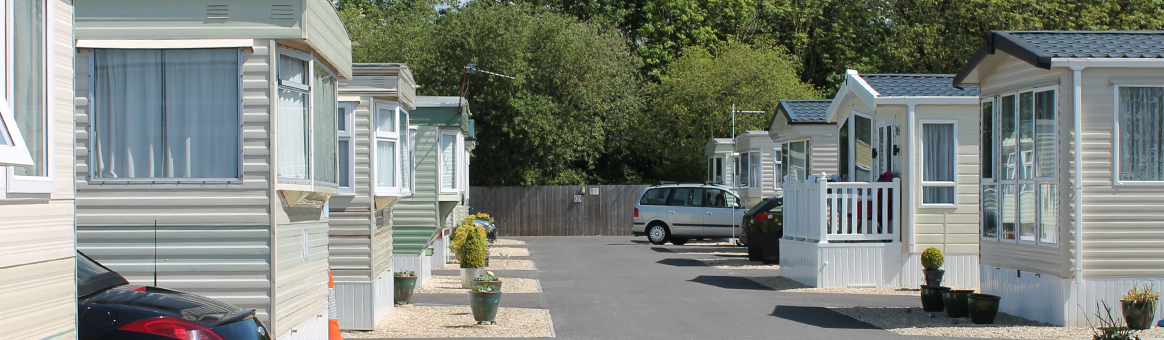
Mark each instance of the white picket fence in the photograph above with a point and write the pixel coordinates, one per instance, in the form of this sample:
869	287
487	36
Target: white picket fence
842	211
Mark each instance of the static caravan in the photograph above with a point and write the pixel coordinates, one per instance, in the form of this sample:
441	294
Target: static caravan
1072	174
905	181
375	171
759	164
37	264
721	157
206	149
806	140
442	136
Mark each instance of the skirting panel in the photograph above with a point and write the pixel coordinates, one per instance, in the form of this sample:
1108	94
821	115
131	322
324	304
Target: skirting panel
1029	295
420	264
440	252
859	264
799	261
315	328
361	305
1109	291
962	270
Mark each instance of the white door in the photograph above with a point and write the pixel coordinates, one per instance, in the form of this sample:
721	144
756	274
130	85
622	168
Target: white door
884	153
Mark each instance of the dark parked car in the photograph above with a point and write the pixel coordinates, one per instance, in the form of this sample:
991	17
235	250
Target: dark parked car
490	229
761	211
109	308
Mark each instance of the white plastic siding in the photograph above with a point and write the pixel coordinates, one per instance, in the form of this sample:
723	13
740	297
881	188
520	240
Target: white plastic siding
39	300
420	209
952	230
351	232
326	33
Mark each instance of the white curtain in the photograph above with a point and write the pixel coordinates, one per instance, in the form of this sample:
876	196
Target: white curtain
292	69
292	140
201	113
1142	133
386	119
448	162
756	172
324	90
29	89
385	163
940	161
127	113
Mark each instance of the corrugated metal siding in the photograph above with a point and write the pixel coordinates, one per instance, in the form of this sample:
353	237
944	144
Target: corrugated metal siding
39	300
314	328
125	19
231	264
1121	225
300	286
953	230
420	264
326	33
362	305
184	204
415	218
1011	75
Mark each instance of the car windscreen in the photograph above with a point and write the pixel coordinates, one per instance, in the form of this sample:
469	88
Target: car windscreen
92	277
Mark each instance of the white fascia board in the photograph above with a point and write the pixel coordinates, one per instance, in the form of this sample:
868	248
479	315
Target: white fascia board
164	43
1108	62
928	100
854	86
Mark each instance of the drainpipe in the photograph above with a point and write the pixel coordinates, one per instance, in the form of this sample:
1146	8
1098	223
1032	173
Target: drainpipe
1077	107
909	159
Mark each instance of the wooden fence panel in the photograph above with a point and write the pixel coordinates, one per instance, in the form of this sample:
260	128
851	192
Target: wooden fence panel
552	210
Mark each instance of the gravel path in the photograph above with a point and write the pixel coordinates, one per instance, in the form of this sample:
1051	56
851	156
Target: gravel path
497	264
1005	326
508	242
457	322
784	284
737	263
502	252
443	284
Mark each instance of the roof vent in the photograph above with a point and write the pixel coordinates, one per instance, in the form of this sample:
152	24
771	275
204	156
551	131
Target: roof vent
283	12
380	81
217	12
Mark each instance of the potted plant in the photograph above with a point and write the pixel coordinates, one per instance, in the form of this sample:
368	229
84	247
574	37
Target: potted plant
955	302
403	282
1139	306
931	260
487	279
472	253
931	297
983	308
483	300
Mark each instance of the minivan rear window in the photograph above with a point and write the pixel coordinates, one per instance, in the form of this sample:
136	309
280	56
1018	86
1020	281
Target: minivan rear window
655	197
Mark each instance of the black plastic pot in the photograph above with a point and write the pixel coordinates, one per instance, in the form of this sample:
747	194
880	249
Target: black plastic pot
755	246
934	276
931	297
771	246
983	308
1139	313
956	303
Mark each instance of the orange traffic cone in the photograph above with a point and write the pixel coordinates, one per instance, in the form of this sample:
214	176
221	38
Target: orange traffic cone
333	330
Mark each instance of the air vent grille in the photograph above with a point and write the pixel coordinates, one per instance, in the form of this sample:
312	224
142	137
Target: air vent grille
283	12
379	81
217	12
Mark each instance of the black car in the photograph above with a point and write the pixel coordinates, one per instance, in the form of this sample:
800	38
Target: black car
490	228
769	206
109	308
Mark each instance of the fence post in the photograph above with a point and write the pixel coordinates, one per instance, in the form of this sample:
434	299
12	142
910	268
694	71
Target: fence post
821	208
895	206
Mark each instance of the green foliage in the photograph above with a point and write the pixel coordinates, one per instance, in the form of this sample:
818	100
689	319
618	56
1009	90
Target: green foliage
1142	292
1110	327
404	273
487	277
932	258
485	288
473	250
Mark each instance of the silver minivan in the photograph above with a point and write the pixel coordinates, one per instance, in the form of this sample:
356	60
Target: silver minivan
679	212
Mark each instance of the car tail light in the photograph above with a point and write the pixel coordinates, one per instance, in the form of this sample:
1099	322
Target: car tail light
172	327
137	288
760	216
636	212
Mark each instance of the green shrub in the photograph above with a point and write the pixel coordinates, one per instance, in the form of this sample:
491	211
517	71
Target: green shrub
932	258
473	250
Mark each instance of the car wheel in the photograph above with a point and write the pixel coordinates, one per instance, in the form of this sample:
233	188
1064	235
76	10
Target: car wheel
678	241
658	234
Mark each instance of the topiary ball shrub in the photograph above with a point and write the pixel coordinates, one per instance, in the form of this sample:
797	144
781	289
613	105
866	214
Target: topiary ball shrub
932	258
474	249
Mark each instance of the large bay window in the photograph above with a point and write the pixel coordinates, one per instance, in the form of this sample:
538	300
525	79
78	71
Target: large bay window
294	118
715	169
1020	194
165	115
392	150
795	160
1140	140
939	163
345	152
450	160
755	169
23	94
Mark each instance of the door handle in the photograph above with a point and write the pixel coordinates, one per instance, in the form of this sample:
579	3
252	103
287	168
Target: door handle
670	212
709	213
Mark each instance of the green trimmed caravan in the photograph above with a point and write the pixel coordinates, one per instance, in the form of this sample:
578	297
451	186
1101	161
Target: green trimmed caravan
206	149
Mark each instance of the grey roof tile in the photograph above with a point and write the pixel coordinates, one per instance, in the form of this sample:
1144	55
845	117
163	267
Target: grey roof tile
1097	44
806	111
898	85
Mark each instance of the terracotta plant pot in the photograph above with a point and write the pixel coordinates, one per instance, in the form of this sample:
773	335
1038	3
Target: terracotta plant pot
934	276
956	302
484	306
496	284
983	308
931	297
402	289
1139	314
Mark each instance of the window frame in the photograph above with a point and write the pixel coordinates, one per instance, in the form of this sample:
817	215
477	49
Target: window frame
992	180
458	147
1116	136
378	136
347	134
19	184
756	169
313	64
92	132
309	130
922	183
1035	181
777	170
